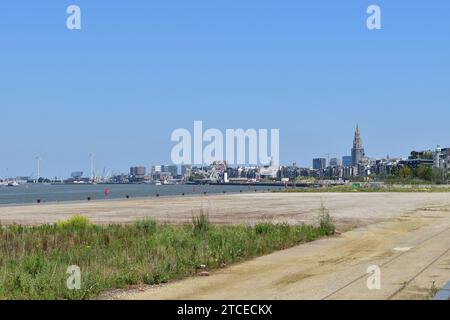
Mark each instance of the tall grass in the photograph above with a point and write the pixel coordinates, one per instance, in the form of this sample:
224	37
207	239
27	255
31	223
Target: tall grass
34	260
201	223
74	223
326	223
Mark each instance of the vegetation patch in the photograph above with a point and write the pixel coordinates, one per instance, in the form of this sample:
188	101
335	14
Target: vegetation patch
34	260
386	188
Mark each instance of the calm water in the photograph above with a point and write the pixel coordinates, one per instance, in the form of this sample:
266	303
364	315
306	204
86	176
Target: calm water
30	193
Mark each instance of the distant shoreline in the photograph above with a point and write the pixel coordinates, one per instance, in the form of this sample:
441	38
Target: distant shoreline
96	196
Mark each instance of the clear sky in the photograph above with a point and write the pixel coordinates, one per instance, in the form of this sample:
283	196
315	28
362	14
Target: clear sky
137	70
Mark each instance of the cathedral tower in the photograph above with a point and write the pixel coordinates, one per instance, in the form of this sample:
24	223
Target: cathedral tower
358	148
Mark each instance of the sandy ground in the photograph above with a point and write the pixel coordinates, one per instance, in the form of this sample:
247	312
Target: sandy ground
406	234
411	250
355	209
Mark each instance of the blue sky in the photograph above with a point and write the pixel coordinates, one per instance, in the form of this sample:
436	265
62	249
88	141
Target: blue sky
140	69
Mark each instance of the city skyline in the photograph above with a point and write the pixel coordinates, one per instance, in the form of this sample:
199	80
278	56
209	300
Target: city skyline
118	87
357	152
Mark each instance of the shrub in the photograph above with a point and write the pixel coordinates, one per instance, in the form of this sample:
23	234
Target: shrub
74	223
326	224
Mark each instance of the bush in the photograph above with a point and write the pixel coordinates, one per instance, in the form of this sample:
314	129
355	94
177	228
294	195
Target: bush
326	224
74	223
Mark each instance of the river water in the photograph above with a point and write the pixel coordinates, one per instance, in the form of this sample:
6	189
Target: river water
31	193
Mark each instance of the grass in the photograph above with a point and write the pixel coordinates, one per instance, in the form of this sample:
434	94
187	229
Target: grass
201	223
74	223
386	188
326	223
34	260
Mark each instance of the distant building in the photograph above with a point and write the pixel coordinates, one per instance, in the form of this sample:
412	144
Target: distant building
156	169
419	158
347	161
270	171
161	176
446	156
23	179
349	171
137	173
186	170
384	166
172	169
289	172
440	159
77	175
319	163
335	162
358	148
120	178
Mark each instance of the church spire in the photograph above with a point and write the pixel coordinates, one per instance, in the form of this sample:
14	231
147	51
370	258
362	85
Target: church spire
357	142
358	148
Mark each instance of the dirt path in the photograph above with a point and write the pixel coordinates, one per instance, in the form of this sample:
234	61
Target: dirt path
412	250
